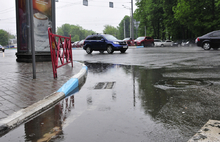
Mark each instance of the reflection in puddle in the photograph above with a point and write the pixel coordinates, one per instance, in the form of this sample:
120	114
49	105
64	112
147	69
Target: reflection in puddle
49	125
137	108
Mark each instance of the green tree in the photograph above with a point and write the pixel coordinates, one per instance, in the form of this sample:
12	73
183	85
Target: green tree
199	17
172	26
77	32
75	38
150	15
4	37
124	24
108	29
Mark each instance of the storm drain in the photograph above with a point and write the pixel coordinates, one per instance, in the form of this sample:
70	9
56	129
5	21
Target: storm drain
104	85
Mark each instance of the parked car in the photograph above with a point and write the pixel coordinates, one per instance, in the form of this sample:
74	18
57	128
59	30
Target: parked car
72	44
104	42
167	43
158	42
10	46
188	42
144	41
2	48
129	41
80	44
75	44
209	40
177	43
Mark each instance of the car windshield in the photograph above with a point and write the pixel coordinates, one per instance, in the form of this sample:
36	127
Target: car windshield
140	38
110	37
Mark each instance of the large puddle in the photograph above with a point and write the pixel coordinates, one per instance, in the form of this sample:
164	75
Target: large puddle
127	103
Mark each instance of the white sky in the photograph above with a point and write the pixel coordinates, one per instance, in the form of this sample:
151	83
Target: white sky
91	17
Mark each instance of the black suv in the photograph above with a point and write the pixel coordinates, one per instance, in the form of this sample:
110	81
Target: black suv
104	42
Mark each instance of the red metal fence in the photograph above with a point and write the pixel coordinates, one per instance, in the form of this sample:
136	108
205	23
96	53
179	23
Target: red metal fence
61	51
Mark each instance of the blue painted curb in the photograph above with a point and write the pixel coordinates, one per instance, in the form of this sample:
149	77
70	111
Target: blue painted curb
139	46
69	86
73	82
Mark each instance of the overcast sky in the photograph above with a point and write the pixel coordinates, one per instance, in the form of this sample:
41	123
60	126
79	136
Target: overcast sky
91	17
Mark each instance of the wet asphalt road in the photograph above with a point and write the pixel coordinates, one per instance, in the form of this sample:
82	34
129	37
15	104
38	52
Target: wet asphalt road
147	94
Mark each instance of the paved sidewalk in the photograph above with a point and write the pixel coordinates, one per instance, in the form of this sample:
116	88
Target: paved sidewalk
18	88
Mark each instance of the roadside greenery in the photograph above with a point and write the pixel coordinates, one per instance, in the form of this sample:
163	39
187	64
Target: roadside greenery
77	32
4	37
178	19
162	19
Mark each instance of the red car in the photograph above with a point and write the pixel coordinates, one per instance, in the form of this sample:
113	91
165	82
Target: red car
144	41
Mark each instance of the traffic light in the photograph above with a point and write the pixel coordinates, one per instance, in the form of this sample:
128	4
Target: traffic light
85	2
111	4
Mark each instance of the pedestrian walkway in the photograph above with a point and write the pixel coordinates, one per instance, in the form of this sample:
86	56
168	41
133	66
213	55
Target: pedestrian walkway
18	88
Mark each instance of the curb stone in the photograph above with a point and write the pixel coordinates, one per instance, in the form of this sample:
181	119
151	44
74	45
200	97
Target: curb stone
23	115
210	132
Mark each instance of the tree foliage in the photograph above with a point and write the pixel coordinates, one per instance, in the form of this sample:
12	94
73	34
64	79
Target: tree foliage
108	29
77	32
177	19
4	37
124	28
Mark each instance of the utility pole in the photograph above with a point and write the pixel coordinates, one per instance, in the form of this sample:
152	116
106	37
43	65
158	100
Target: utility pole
132	23
124	30
31	28
145	30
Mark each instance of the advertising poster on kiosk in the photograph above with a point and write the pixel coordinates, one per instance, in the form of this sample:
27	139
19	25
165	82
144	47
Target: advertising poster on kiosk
42	15
22	26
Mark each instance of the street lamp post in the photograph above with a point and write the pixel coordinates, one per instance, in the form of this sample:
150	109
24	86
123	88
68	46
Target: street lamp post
130	17
132	21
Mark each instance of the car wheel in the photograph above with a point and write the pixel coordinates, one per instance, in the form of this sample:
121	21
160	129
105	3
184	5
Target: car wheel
101	52
142	44
161	45
109	50
88	50
206	46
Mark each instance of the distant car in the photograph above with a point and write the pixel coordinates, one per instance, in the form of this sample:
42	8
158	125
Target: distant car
177	43
167	43
72	44
129	41
188	42
158	42
104	42
2	48
75	44
209	40
126	40
10	46
144	41
80	44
